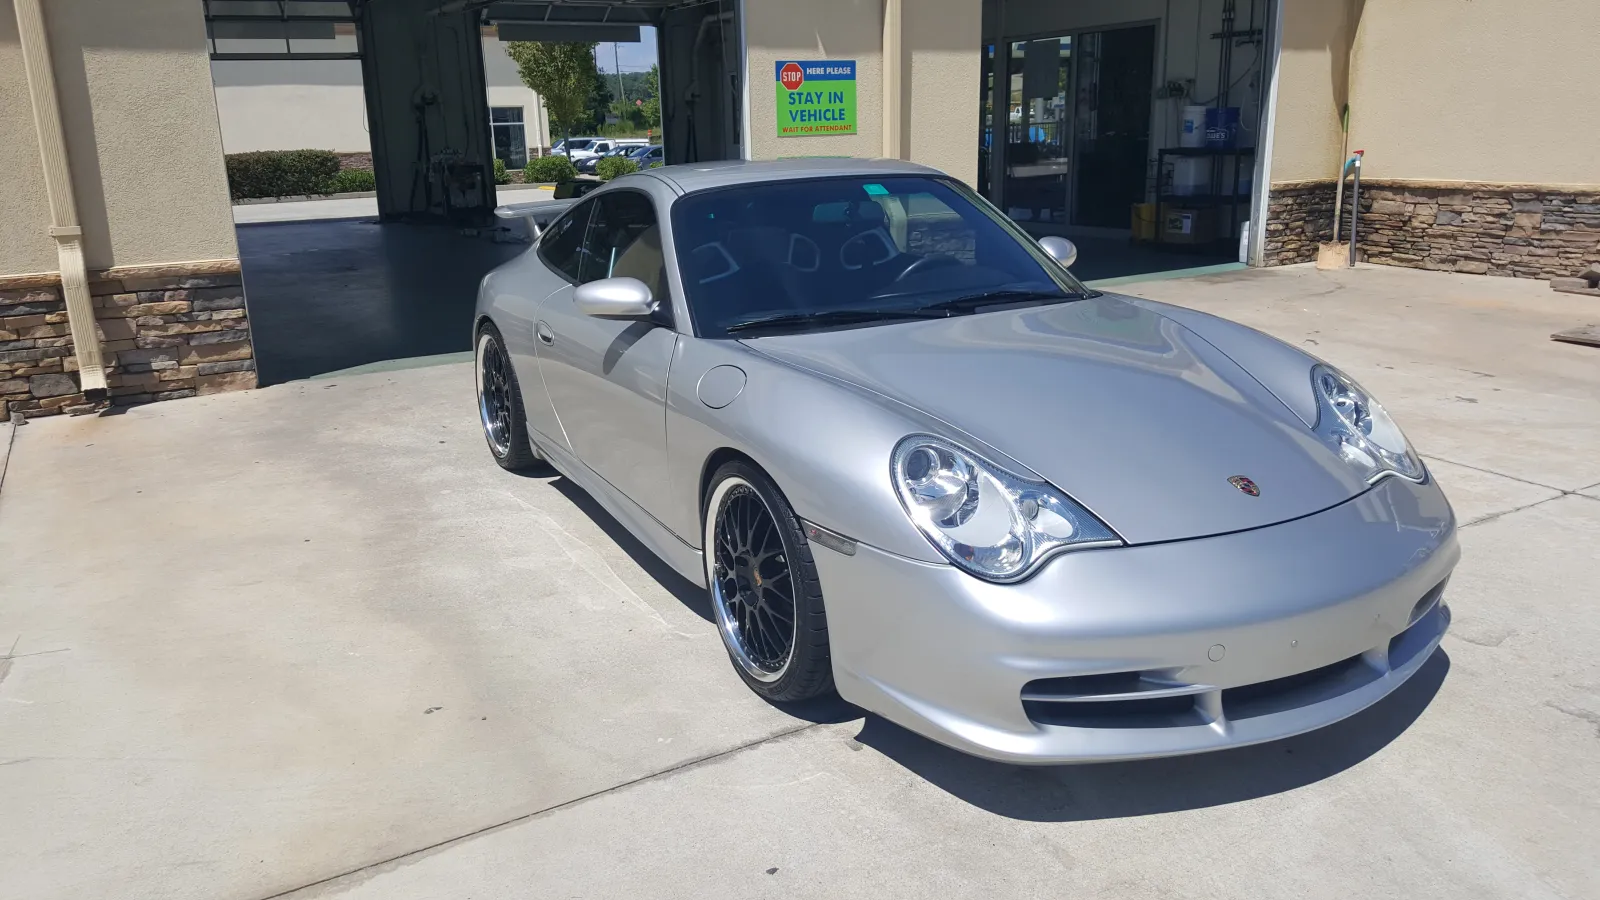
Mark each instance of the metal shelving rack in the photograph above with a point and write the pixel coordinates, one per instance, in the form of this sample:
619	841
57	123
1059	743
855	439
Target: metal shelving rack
1230	198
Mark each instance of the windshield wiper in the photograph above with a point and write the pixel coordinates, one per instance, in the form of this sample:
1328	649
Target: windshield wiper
835	317
1000	296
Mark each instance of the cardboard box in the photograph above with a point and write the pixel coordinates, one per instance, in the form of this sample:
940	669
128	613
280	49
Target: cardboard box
1181	225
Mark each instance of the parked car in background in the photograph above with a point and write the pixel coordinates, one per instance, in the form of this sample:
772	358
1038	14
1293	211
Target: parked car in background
573	147
599	147
647	156
587	164
911	459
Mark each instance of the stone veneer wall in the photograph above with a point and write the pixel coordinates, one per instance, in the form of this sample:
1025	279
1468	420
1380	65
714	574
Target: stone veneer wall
1526	231
1299	217
167	332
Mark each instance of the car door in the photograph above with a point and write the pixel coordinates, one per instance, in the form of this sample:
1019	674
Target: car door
606	377
559	254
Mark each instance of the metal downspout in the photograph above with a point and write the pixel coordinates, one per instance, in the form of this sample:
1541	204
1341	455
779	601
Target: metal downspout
64	226
894	145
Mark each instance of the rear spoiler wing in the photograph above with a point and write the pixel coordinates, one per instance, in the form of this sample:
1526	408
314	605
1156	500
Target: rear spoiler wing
537	213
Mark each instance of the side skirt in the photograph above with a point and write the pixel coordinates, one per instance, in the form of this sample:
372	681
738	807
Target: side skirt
684	559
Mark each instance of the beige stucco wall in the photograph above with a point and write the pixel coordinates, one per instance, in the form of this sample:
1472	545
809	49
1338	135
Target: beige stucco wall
1499	91
291	105
506	88
942	40
25	246
816	29
141	132
1313	83
320	104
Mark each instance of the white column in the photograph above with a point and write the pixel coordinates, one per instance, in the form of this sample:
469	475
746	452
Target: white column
894	143
63	205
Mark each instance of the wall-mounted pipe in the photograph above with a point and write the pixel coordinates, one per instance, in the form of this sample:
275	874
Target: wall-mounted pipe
894	143
64	228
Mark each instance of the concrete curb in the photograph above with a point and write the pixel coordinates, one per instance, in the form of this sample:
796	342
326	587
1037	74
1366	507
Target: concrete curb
359	195
8	433
302	198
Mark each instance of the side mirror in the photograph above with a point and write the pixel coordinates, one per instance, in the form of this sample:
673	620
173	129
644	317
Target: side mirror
614	298
1061	250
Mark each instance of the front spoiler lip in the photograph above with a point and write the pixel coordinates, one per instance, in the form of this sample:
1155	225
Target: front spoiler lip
1218	734
948	655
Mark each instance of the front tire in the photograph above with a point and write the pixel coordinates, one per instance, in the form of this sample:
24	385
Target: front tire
766	597
505	426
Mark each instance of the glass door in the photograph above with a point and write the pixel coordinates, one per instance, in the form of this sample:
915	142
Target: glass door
1116	70
986	121
1038	162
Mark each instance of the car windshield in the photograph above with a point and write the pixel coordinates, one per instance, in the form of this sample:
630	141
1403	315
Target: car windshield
787	255
577	143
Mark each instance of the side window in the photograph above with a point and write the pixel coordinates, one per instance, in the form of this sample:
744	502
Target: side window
625	241
561	245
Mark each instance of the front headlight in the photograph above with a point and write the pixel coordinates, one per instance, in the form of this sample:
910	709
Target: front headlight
1359	428
994	524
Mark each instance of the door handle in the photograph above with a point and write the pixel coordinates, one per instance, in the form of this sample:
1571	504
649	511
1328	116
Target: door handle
544	334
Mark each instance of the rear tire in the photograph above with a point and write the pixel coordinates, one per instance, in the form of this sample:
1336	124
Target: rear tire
766	597
505	426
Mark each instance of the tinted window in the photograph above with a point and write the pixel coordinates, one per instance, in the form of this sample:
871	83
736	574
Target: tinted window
858	243
625	241
561	244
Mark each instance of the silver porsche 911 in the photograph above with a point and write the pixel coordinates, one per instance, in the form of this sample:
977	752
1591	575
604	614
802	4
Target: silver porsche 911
913	460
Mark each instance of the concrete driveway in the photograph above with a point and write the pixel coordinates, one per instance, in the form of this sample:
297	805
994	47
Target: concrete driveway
309	641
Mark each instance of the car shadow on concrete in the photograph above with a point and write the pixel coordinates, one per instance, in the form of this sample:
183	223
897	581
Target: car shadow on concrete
687	592
1149	787
823	710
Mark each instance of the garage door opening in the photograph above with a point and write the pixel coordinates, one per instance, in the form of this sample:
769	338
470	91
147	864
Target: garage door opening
1129	127
418	100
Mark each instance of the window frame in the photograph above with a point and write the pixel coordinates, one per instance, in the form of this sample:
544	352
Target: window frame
520	126
665	314
587	207
1030	245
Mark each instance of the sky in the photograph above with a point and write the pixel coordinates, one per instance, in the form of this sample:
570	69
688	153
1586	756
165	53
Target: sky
633	57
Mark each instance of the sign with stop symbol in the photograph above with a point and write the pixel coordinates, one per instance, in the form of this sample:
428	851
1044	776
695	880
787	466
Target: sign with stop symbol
816	97
792	76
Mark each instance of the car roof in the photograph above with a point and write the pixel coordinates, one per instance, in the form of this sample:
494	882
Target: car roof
691	177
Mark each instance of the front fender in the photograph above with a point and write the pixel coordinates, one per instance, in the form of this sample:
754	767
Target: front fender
1281	368
826	445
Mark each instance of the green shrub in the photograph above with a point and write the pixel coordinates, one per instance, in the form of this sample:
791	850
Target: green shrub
615	167
500	176
549	168
350	181
279	173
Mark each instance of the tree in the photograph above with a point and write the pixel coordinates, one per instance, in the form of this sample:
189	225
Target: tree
599	103
652	99
564	74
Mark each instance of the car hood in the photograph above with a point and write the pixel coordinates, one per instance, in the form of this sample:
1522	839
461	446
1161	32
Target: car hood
1129	412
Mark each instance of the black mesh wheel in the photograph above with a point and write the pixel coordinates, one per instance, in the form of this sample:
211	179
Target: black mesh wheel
500	403
766	597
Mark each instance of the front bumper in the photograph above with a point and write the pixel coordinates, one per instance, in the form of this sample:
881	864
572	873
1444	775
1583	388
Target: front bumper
1152	650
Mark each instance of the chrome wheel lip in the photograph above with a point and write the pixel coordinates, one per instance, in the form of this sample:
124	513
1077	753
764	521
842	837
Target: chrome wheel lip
494	396
727	625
